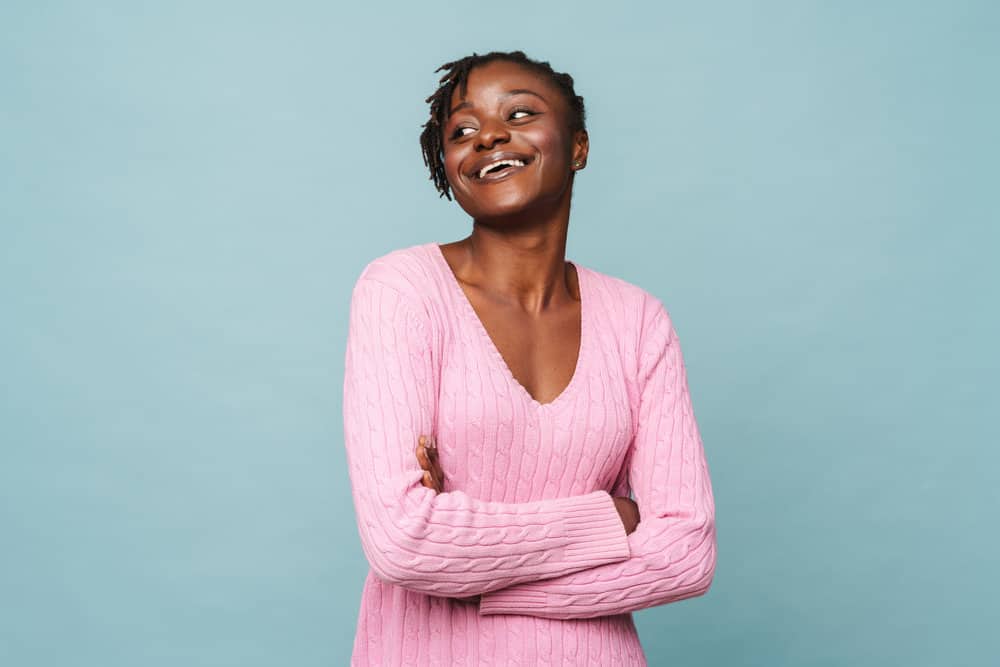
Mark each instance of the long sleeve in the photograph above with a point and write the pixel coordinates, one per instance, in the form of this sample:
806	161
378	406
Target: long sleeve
673	549
445	544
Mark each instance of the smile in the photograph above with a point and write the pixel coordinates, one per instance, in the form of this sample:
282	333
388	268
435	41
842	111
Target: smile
500	170
498	166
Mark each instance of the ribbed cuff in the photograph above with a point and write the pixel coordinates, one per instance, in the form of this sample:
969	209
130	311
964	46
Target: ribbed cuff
596	533
513	600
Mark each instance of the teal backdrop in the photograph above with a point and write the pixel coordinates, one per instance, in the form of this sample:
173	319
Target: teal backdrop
188	191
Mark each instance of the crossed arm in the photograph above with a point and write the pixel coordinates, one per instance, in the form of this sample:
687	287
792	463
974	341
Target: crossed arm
559	558
433	478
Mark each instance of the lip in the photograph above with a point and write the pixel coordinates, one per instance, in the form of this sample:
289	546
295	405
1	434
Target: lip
473	172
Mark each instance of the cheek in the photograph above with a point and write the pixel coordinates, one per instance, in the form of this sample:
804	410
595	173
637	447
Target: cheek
553	144
451	161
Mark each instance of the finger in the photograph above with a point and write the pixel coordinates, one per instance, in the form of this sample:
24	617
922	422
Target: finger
428	481
433	482
427	457
431	452
422	458
431	461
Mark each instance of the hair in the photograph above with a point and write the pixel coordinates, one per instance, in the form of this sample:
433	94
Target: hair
457	76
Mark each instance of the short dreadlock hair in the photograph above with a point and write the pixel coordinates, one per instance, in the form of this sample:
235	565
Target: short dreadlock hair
457	76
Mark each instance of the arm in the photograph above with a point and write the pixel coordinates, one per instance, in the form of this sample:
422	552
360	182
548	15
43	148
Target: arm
673	550
446	544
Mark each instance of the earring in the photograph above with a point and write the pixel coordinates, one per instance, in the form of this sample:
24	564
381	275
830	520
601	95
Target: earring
577	164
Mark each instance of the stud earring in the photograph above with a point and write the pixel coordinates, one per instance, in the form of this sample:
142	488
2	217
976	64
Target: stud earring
577	164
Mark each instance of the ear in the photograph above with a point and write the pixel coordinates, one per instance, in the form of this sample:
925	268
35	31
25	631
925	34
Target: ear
581	146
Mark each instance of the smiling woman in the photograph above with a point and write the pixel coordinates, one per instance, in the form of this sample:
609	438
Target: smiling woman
501	116
524	459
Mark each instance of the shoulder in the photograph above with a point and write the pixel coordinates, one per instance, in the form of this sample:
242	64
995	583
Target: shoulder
402	281
636	319
403	270
634	305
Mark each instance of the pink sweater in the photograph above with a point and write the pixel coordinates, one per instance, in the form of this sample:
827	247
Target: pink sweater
526	517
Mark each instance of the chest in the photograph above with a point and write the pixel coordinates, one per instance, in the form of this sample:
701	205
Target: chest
541	354
498	441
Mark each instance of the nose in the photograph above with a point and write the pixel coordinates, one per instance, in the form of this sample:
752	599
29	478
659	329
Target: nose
491	132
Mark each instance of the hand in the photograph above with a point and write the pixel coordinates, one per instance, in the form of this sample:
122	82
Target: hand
427	458
628	511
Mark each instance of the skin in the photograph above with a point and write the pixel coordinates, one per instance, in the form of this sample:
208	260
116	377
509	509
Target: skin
512	266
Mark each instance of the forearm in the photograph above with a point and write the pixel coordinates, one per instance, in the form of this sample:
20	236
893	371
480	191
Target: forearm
450	544
672	560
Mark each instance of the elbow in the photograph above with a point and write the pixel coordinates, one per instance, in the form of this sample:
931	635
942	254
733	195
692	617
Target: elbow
692	567
390	567
400	559
708	566
389	542
393	556
706	556
384	566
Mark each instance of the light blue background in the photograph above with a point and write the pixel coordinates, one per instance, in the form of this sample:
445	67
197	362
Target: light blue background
188	191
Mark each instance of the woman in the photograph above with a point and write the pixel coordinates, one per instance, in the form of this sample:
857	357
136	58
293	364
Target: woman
502	404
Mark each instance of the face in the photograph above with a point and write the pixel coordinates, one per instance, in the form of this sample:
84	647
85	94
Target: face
507	145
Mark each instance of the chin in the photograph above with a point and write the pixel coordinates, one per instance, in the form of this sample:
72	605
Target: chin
502	209
505	204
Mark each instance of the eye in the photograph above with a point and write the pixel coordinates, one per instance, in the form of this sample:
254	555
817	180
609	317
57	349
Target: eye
521	110
460	132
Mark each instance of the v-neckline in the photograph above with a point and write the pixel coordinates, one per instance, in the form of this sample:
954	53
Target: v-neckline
463	298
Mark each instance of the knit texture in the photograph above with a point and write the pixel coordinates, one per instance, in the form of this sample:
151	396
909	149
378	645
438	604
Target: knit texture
526	518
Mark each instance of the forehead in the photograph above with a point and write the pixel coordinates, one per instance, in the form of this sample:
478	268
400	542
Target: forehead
489	81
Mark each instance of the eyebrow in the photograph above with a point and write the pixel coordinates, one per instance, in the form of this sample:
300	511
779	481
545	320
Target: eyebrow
516	91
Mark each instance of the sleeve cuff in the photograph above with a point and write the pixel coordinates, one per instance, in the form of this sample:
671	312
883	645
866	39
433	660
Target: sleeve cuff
513	600
596	533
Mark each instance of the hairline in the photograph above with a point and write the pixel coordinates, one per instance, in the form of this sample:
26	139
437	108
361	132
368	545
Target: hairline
539	71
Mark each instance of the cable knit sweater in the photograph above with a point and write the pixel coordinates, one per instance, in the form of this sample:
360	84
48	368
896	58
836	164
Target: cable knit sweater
526	518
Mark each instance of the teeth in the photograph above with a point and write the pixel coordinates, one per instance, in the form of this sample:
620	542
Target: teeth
512	163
